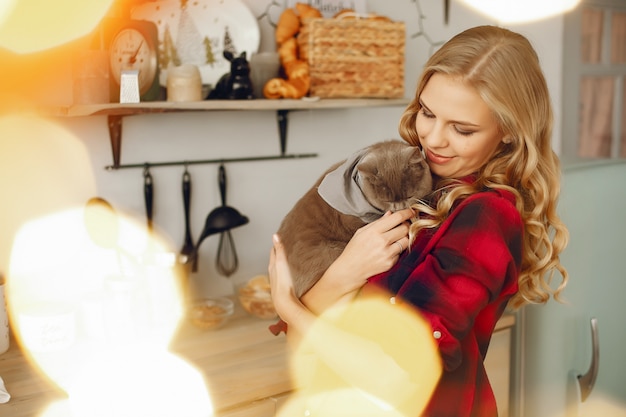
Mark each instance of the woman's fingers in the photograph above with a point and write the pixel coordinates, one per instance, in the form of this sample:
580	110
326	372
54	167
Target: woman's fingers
277	264
281	284
399	246
390	220
392	227
373	248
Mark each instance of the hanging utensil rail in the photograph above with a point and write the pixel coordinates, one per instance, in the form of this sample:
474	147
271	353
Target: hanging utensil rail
210	161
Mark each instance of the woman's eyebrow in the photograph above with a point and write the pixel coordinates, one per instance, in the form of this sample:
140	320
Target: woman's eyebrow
459	122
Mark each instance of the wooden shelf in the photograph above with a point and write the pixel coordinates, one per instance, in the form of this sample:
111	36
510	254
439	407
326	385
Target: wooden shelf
129	109
115	112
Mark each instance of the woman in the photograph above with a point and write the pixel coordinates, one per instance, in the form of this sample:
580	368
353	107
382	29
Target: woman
489	237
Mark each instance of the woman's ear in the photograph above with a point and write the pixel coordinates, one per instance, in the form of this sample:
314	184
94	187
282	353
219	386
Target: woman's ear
507	139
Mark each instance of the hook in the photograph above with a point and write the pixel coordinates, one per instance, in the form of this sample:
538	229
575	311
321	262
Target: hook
588	380
146	170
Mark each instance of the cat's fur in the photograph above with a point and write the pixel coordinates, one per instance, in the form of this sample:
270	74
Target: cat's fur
393	175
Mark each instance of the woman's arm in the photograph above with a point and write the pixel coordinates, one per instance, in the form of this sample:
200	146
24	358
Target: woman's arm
372	250
287	305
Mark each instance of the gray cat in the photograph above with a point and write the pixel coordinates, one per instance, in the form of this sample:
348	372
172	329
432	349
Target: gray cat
389	175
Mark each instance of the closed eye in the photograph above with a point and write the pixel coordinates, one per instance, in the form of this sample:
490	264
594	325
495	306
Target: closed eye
463	132
429	115
424	111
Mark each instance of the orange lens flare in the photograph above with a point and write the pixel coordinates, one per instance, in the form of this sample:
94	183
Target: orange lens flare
35	25
94	299
372	358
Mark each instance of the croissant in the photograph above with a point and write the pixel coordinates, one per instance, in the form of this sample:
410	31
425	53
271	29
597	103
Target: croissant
298	81
301	85
350	14
296	69
288	51
378	17
295	86
305	11
340	13
288	26
280	88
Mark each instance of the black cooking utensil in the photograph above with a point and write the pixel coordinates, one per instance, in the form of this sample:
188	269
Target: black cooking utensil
188	251
226	261
224	217
148	195
221	219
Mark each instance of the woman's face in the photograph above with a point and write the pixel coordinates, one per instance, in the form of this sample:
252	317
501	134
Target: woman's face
455	127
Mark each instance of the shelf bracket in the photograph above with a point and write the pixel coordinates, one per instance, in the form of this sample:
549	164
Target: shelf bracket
115	135
283	121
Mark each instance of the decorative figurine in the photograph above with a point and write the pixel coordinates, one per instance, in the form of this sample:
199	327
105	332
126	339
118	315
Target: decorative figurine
236	84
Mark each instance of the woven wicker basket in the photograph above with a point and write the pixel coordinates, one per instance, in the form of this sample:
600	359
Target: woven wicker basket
354	57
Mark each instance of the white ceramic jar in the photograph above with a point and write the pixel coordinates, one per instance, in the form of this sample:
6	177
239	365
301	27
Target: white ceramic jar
184	83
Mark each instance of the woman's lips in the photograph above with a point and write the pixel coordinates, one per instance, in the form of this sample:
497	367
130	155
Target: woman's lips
436	159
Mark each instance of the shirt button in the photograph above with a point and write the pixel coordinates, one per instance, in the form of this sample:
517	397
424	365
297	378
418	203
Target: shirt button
437	334
392	300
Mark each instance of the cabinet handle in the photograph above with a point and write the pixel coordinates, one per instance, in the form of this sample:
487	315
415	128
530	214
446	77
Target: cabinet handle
588	380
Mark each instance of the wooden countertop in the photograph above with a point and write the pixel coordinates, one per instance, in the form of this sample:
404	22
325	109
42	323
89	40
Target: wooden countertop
242	362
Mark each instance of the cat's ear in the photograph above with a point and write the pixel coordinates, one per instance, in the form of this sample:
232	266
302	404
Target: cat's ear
367	167
368	163
414	154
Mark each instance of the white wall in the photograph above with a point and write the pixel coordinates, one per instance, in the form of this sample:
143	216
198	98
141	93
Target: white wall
265	191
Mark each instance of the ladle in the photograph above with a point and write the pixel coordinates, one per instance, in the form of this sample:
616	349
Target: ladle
220	220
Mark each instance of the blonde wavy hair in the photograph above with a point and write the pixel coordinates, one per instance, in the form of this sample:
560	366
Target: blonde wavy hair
504	68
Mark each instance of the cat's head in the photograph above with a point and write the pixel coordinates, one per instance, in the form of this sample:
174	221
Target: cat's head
394	175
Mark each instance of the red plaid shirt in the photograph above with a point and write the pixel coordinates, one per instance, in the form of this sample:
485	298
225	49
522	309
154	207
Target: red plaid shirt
460	277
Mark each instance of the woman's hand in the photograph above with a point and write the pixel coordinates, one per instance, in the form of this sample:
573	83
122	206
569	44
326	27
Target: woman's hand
287	305
376	247
281	281
373	249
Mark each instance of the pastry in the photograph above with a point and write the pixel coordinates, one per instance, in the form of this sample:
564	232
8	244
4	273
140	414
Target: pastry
305	11
288	26
297	79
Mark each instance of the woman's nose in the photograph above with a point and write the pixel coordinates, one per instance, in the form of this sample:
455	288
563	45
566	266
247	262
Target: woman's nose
436	137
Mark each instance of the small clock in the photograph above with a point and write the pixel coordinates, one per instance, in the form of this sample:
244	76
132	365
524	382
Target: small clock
132	45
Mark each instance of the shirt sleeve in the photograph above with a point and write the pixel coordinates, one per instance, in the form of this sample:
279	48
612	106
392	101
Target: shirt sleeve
469	262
